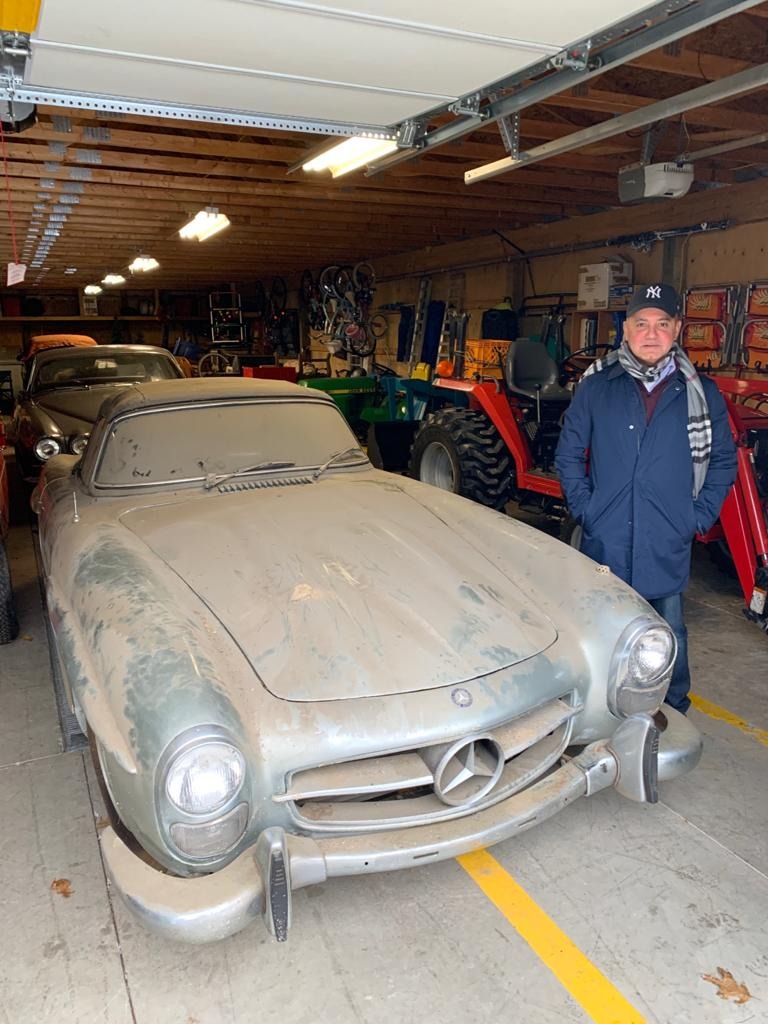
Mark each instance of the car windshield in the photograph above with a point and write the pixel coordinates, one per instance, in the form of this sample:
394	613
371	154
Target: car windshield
89	367
203	442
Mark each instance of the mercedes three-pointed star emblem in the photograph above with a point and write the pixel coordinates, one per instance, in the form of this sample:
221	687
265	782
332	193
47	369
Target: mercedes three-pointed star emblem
468	771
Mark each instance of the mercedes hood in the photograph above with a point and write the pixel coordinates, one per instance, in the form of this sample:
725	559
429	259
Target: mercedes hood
345	587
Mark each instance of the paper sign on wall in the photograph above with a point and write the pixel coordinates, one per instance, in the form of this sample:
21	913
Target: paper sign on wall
16	272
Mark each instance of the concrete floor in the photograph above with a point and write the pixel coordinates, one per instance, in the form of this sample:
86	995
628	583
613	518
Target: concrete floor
654	896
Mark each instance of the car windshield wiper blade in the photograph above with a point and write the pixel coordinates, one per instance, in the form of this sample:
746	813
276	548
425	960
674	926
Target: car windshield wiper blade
215	479
55	385
337	457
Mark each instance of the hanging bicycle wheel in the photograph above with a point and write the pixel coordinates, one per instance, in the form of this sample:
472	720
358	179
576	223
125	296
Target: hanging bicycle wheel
327	278
358	340
364	277
344	285
378	325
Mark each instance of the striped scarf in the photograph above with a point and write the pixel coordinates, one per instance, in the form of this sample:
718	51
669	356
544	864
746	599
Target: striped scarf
699	422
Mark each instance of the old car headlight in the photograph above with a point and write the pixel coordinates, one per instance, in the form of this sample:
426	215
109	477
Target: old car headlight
641	665
78	444
47	447
203	778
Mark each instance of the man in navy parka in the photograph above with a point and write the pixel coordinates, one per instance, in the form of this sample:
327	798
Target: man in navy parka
646	459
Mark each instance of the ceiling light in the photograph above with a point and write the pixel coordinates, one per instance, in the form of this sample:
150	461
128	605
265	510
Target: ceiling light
204	224
350	154
93	289
142	264
113	279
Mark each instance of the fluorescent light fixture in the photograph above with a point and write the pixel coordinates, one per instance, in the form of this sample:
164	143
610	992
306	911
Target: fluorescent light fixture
113	279
350	154
70	270
204	224
93	289
142	264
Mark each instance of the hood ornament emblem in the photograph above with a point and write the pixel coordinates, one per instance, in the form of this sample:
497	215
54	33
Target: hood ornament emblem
461	698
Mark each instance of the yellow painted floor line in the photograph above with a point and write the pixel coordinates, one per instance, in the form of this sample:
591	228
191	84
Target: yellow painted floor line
724	715
575	972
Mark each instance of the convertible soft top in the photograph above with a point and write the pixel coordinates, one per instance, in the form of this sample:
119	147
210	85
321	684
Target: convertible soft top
203	389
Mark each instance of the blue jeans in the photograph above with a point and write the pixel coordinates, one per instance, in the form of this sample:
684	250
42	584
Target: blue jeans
671	609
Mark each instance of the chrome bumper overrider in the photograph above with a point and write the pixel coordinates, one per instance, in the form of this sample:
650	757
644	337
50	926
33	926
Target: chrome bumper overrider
261	879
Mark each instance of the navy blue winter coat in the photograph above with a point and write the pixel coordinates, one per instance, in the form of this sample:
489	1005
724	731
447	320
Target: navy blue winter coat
636	502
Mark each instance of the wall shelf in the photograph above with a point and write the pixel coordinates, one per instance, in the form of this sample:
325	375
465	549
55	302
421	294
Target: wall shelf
91	319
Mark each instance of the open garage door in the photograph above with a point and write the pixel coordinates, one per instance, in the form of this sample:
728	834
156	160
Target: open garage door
358	66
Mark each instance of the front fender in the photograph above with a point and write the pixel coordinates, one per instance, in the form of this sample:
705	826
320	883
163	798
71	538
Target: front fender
145	660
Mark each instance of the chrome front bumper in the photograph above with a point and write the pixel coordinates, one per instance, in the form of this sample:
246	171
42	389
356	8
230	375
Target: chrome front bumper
261	879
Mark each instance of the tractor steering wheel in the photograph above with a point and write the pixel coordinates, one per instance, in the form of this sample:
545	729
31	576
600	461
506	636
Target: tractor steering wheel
566	365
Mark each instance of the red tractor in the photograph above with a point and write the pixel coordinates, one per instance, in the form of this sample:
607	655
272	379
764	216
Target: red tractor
494	441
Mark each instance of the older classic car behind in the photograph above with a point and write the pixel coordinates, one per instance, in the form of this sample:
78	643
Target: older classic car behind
9	626
64	389
294	666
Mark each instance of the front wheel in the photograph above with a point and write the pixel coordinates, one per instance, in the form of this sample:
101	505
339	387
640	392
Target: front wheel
460	450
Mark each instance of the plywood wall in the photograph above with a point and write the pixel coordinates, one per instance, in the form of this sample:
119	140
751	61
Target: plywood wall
737	255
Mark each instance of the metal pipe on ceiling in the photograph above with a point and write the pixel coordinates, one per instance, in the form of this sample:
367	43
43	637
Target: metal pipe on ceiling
712	92
673	27
723	147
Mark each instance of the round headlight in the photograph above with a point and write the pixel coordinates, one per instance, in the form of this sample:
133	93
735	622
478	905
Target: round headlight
78	444
205	777
47	447
641	666
651	656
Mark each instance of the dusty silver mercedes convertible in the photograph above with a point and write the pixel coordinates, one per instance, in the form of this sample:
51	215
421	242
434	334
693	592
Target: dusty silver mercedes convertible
294	666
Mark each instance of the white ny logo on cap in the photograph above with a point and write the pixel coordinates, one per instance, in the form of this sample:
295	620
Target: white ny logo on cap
653	292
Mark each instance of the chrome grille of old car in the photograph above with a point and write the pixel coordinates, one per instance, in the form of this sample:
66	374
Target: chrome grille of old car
417	787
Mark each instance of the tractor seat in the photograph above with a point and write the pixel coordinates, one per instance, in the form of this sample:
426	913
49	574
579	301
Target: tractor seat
529	370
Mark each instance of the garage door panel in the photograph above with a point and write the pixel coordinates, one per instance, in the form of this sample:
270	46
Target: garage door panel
197	87
547	21
288	58
288	43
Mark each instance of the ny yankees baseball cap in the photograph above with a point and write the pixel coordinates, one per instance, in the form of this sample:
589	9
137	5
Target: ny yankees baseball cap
655	296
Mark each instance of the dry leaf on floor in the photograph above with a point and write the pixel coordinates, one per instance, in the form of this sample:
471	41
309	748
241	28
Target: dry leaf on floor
728	987
101	823
62	886
27	637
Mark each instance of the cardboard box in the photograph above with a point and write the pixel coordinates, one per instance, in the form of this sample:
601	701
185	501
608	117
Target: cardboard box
605	285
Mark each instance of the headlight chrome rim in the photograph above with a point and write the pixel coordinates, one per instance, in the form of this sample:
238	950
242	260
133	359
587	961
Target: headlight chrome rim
78	443
46	447
193	763
627	694
167	813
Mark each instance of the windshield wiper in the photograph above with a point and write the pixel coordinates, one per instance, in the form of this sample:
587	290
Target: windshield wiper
56	385
337	457
215	479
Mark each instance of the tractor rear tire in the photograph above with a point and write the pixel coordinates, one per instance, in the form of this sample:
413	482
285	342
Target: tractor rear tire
571	533
460	450
9	626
